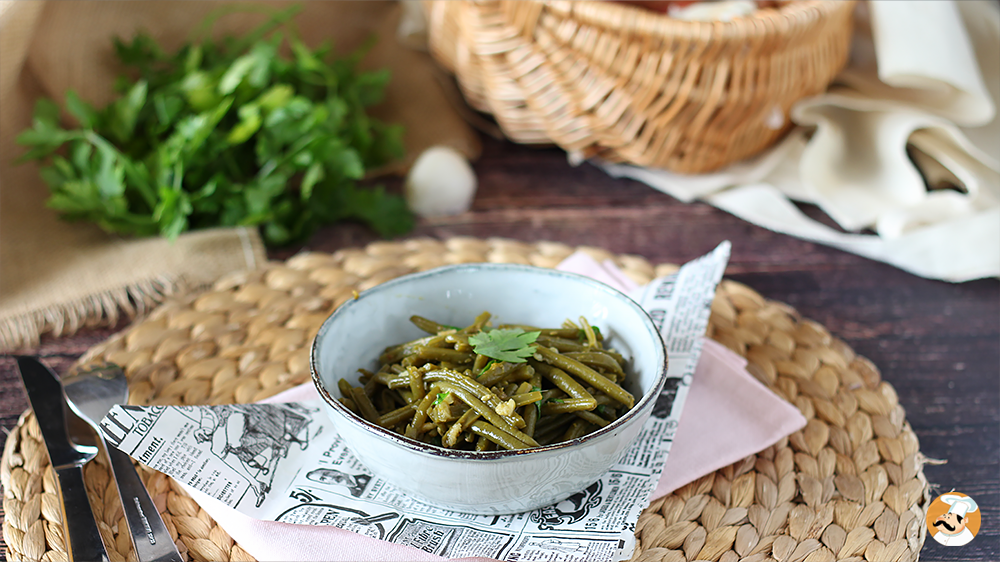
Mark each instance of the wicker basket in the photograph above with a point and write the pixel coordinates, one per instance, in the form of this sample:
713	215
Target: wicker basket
631	85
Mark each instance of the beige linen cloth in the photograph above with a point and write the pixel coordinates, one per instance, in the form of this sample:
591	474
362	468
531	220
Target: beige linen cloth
919	97
56	276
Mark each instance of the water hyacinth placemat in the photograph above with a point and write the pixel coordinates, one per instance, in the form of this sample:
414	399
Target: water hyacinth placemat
849	486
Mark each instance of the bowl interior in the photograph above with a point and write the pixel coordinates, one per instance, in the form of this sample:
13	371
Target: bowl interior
355	335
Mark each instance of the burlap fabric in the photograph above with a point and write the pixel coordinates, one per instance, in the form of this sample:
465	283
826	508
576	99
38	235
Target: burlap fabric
56	276
849	486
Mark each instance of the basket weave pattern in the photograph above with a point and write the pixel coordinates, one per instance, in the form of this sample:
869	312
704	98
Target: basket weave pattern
850	485
631	85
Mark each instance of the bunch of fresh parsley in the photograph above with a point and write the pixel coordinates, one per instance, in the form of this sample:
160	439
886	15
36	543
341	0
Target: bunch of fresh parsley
229	133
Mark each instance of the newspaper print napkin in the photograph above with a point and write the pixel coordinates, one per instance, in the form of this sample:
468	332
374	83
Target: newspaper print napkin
917	100
728	416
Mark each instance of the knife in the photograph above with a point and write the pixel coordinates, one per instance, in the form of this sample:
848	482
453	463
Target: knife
45	393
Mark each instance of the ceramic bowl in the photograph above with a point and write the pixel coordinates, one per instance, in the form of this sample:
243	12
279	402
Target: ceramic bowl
493	482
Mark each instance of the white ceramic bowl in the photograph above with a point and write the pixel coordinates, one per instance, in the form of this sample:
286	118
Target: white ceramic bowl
495	482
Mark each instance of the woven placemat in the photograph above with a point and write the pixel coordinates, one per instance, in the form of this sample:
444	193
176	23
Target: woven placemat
850	485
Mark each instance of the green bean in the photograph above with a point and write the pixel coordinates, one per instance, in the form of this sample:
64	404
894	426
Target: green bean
605	400
450	438
530	416
443	411
397	382
564	333
588	333
385	401
478	323
564	382
491	400
416	380
415	428
394	353
565	346
591	417
397	416
349	404
443	354
595	359
459	341
499	436
364	404
563	406
344	387
406	394
496	373
429	326
527	398
480	363
371	385
488	413
576	429
579	370
549	429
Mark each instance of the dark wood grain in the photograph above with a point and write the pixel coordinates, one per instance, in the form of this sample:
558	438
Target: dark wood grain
937	343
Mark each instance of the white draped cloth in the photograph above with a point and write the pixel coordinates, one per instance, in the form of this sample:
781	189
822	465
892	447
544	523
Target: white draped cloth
916	106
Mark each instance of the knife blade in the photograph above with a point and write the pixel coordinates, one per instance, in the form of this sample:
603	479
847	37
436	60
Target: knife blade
45	393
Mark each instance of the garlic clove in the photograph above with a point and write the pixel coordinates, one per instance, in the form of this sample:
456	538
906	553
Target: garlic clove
441	182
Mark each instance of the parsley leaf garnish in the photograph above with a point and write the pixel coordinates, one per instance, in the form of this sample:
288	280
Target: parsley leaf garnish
505	344
440	398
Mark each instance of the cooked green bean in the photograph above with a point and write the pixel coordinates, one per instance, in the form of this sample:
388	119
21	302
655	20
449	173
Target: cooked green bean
588	332
349	404
526	398
564	333
594	359
564	382
530	421
395	353
499	436
415	427
450	438
565	346
467	388
553	428
485	395
576	429
429	326
496	373
344	387
416	381
364	404
566	405
397	416
487	412
443	354
591	417
589	375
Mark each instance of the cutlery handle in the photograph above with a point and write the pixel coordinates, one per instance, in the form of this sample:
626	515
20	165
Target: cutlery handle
85	541
150	536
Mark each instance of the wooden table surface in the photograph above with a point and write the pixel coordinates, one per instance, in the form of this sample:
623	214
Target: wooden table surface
937	343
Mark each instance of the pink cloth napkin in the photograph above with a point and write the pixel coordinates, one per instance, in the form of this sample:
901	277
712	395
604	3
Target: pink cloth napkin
728	416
